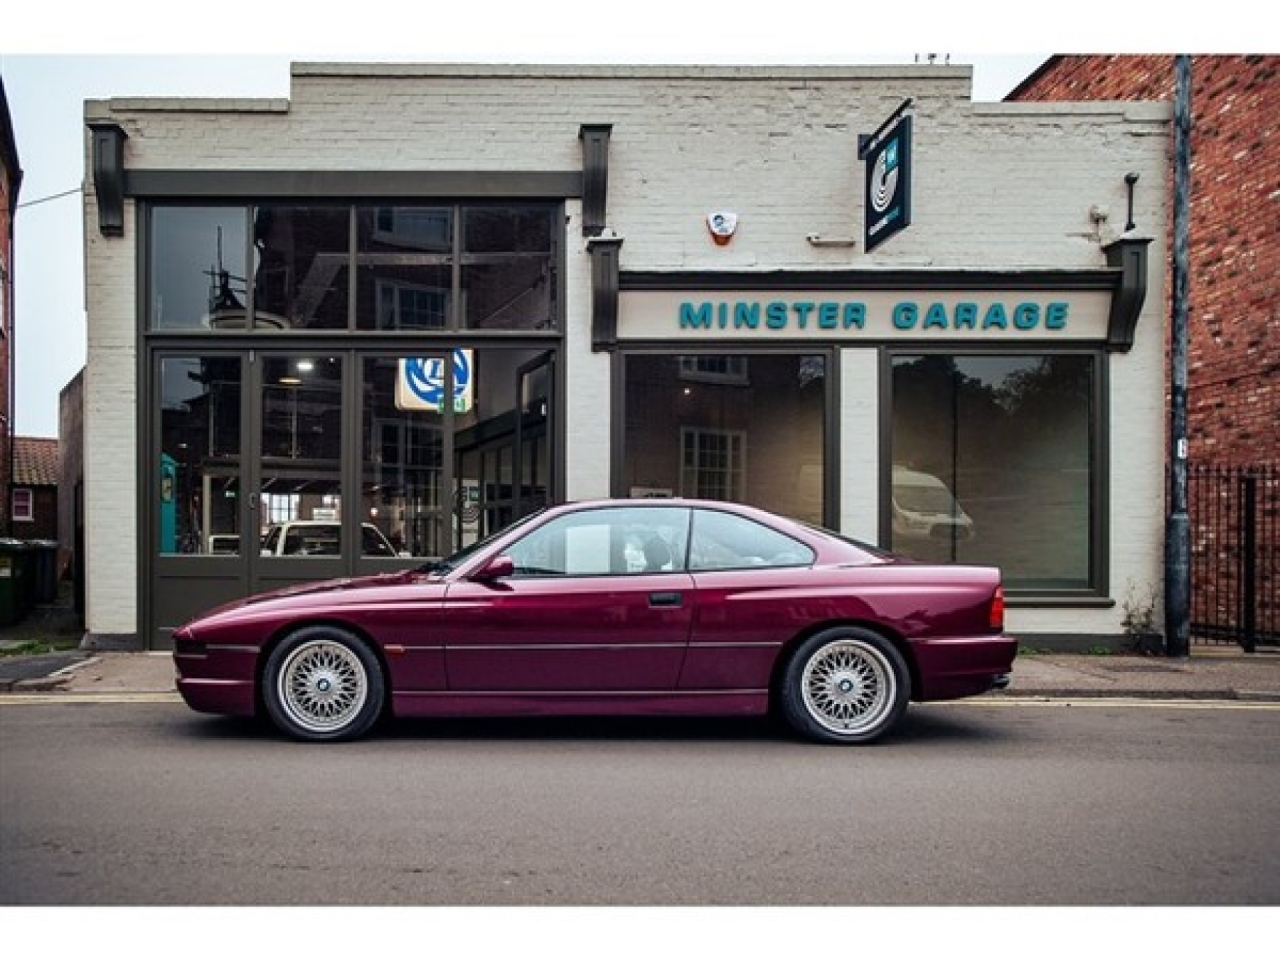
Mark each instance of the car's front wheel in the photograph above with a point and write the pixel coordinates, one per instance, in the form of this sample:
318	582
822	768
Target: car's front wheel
845	685
323	683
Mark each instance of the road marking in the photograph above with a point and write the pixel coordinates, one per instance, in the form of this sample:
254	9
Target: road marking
38	699
1132	702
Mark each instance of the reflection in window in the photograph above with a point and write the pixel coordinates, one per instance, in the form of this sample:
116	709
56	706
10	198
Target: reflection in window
301	269
507	273
408	263
402	449
199	468
712	464
196	270
301	424
992	463
700	427
404	267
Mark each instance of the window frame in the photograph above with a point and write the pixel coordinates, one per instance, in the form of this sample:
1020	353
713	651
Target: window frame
27	515
1097	589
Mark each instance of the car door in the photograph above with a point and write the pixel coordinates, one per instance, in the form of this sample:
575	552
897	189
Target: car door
752	596
599	601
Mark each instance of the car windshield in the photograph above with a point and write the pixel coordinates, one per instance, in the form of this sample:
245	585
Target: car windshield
457	559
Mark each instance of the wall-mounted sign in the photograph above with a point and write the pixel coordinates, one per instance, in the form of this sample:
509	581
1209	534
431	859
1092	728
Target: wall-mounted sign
420	384
888	185
864	314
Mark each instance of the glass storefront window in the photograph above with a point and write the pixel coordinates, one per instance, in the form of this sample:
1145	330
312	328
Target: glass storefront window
411	264
301	267
992	462
196	270
746	428
300	502
199	468
508	276
402	449
404	273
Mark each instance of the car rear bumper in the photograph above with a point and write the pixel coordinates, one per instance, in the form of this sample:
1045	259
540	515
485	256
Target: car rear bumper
956	667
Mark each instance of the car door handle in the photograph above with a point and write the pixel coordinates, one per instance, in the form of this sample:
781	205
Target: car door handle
665	599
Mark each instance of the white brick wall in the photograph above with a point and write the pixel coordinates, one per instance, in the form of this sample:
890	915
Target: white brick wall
110	428
998	186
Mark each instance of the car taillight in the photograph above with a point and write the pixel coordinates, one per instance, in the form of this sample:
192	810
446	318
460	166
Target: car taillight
996	618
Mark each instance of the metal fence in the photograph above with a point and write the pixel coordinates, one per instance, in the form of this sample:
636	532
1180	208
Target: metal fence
1235	555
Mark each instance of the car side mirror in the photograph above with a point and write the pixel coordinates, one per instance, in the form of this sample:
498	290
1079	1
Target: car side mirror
499	568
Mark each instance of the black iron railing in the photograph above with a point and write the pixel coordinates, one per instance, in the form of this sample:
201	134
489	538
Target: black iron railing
1235	555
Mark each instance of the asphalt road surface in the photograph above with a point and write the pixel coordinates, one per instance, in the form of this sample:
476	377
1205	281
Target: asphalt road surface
973	803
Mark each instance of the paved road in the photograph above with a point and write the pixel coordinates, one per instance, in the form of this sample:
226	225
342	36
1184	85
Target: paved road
972	803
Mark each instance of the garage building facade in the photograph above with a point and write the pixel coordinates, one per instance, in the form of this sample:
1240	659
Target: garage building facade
367	325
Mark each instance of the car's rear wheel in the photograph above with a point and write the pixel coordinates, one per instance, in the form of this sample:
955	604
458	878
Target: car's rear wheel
323	683
845	685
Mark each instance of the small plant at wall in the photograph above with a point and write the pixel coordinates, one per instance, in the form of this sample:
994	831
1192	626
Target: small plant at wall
1139	621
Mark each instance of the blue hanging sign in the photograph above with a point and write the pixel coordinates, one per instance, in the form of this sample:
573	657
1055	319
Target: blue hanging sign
420	384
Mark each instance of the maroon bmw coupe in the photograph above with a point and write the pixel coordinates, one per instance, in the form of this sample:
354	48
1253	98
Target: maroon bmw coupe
613	607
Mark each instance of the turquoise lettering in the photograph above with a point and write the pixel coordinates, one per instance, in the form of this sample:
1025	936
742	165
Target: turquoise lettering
776	315
995	317
1055	316
828	315
695	317
905	315
966	316
746	315
855	315
936	317
803	309
1026	316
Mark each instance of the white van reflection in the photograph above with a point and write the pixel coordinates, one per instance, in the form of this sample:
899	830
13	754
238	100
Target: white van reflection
925	509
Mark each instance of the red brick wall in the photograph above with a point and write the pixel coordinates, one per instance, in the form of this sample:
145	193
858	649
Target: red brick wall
6	311
1234	343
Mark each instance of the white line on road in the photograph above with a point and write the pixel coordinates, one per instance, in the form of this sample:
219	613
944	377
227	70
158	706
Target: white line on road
44	699
1136	702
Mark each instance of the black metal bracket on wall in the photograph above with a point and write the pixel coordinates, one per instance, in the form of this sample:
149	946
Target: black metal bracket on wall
108	176
604	291
595	176
1130	255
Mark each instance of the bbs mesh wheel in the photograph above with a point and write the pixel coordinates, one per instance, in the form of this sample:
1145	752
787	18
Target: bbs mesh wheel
845	685
323	683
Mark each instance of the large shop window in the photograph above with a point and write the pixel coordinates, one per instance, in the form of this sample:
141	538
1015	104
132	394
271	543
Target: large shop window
749	429
993	462
199	462
328	266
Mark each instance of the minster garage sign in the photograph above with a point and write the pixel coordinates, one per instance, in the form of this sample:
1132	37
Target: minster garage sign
872	315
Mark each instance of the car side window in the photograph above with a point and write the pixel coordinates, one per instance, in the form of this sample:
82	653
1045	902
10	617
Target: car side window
725	541
613	541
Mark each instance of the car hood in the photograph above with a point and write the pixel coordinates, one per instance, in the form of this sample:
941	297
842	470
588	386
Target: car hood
316	588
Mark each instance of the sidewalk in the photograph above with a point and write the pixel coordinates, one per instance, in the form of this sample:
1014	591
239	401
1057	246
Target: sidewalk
1208	674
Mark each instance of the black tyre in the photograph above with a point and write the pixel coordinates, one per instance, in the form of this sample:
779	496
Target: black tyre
323	683
845	685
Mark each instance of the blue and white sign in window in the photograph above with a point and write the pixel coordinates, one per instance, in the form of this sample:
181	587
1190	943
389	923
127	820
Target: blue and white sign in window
421	382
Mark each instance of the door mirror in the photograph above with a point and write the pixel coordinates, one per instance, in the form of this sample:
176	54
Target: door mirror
499	568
